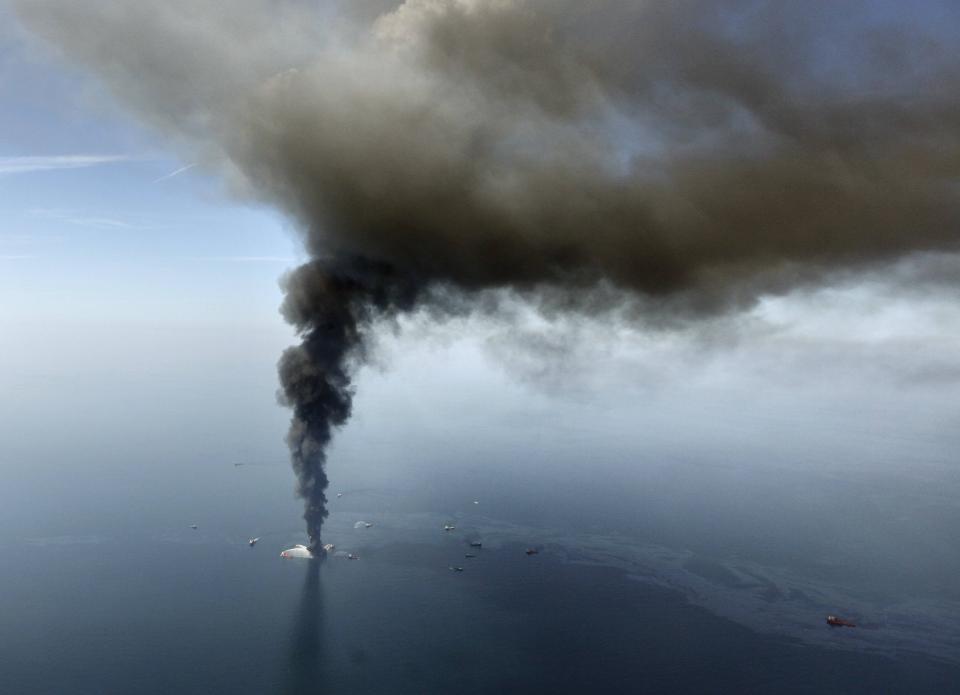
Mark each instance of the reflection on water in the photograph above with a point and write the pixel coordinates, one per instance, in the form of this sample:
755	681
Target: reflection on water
306	636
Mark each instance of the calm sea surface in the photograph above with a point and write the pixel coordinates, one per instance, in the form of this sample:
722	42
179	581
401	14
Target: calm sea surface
173	609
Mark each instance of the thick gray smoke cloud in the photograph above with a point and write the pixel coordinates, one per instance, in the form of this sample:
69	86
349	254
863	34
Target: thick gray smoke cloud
332	305
688	157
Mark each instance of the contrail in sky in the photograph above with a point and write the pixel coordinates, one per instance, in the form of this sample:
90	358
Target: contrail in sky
175	172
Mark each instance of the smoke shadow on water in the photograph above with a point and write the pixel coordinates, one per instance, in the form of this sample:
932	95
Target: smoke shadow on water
304	667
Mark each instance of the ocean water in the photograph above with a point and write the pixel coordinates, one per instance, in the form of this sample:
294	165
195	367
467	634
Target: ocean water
173	609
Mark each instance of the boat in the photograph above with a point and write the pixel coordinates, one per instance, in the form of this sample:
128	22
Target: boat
834	621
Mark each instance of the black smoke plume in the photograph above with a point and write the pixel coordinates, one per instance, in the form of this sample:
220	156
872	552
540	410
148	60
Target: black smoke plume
332	305
686	158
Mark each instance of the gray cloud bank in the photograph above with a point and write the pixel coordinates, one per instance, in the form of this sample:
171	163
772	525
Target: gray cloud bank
689	157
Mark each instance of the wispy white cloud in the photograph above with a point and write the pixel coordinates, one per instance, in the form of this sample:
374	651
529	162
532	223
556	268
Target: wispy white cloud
175	172
100	222
245	259
16	238
83	220
24	165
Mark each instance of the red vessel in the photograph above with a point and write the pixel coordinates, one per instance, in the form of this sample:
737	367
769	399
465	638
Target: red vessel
839	622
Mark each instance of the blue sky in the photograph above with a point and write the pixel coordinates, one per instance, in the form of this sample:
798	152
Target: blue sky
93	225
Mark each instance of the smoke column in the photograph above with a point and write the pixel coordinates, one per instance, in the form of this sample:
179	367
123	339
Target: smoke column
331	305
683	159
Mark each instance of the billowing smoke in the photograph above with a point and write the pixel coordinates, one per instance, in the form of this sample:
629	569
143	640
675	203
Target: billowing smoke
332	304
684	158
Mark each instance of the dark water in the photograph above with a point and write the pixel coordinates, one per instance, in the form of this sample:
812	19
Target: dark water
193	612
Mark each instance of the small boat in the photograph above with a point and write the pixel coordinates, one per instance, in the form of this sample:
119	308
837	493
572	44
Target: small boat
476	544
449	527
469	555
455	569
834	621
532	551
252	542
